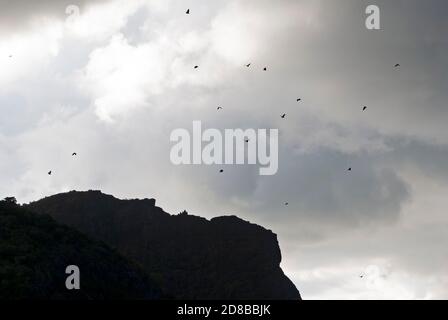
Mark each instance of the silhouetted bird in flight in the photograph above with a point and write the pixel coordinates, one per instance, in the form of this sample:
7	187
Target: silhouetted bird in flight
74	154
221	171
299	99
364	108
349	169
219	108
361	276
397	65
188	11
248	65
264	69
286	203
283	116
49	173
196	67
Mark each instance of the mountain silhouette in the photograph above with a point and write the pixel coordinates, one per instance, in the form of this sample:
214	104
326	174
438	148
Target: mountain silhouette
188	256
35	252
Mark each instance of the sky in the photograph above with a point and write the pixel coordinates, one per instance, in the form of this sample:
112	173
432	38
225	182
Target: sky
111	79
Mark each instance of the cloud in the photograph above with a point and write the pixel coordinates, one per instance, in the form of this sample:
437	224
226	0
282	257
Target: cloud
113	84
20	15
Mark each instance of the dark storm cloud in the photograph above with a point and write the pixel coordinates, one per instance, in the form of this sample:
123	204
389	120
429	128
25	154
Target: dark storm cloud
319	186
347	65
429	159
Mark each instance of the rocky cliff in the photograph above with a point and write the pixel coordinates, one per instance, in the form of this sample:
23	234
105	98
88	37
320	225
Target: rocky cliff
188	256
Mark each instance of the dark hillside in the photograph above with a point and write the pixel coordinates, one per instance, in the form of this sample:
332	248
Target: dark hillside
35	251
190	257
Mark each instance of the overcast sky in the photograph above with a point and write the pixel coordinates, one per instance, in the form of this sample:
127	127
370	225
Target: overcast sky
112	83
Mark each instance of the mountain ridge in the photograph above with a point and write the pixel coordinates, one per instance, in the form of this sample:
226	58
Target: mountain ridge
35	251
189	256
